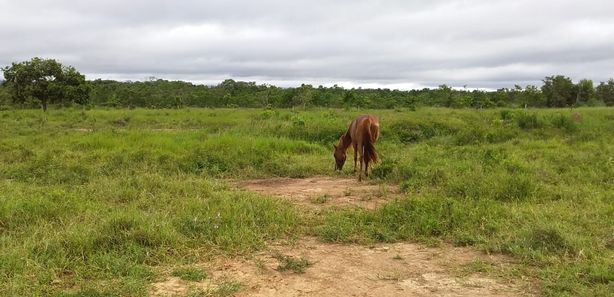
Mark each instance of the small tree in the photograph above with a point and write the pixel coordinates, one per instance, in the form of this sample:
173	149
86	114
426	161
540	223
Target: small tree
303	96
533	96
605	92
47	81
585	91
559	91
4	96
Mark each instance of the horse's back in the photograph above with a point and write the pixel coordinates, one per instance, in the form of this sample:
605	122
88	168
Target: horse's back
375	129
360	125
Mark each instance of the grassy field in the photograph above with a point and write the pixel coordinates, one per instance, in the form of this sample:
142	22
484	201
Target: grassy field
92	201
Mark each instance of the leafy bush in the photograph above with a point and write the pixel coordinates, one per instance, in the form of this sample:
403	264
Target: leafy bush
409	132
384	169
528	121
563	122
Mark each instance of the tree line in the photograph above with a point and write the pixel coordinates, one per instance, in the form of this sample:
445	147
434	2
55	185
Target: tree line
40	82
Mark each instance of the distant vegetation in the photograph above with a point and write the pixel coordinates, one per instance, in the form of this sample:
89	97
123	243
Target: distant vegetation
556	91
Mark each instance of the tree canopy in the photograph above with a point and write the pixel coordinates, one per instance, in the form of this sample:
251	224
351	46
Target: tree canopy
45	81
605	92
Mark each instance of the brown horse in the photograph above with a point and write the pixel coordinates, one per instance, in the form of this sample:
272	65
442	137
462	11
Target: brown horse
362	135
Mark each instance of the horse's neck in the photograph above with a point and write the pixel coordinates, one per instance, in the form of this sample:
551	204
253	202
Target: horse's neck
346	140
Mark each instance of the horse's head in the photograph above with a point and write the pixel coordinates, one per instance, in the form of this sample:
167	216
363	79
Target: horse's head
339	157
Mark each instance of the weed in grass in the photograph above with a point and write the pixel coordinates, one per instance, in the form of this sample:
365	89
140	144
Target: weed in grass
526	120
476	265
321	199
564	122
289	263
260	264
382	191
549	239
88	293
384	169
226	288
391	276
193	274
196	292
121	122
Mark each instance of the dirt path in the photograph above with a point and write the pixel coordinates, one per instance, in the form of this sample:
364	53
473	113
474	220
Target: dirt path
323	191
399	269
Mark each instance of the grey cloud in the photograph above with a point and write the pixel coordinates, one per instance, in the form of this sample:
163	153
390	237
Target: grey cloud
478	43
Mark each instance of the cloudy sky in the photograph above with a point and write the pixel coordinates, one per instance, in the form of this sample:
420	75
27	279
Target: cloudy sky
396	44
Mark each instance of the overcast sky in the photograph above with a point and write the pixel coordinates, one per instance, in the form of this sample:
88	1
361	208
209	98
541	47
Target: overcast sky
396	44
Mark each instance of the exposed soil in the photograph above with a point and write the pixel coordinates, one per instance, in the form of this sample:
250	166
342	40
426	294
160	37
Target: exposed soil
324	191
400	269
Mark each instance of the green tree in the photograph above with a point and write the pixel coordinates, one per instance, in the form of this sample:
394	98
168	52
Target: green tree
444	96
532	96
585	91
4	96
303	96
605	92
47	81
559	91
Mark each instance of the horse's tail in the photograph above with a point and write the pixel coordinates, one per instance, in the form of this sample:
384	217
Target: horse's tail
371	135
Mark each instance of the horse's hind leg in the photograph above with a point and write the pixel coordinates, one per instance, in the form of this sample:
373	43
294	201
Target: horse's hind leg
362	154
355	156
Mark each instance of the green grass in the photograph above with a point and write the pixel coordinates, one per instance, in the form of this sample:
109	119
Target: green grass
227	288
92	201
289	263
189	274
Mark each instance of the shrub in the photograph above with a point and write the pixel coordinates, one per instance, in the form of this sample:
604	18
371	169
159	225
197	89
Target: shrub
384	169
501	135
506	115
528	121
470	136
563	122
516	187
408	132
121	122
549	240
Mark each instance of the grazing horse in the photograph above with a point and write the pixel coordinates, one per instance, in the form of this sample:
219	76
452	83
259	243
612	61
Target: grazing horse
362	135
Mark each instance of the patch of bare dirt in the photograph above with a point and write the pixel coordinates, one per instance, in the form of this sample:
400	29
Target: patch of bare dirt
323	191
172	286
400	269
